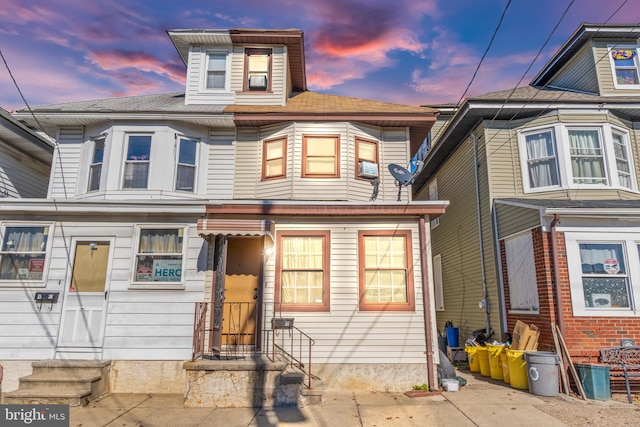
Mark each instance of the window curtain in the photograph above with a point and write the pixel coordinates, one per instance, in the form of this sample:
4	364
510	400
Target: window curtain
543	171
25	240
593	257
622	160
160	241
302	270
586	157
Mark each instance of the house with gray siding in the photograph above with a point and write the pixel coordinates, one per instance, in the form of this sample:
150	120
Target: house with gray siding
543	182
209	225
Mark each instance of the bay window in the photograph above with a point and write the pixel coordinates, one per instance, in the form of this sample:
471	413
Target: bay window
320	156
274	158
542	163
186	168
136	165
23	252
95	168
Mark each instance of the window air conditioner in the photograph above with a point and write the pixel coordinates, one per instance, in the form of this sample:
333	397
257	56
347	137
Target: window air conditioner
368	170
257	82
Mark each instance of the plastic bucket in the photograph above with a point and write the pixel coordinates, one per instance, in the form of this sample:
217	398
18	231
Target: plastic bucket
453	336
474	360
495	365
517	369
542	372
595	380
505	367
483	358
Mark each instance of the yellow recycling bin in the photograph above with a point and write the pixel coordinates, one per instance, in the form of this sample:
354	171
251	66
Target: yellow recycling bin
505	367
495	365
483	358
517	369
472	355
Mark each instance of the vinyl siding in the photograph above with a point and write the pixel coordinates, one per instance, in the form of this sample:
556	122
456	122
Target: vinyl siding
140	324
514	219
346	335
221	164
21	176
456	239
278	78
605	74
194	85
579	73
66	161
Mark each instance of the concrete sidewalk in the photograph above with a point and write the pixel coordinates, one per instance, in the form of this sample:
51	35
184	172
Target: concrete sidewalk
482	402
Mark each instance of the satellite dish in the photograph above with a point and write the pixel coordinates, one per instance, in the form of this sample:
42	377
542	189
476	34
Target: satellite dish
403	176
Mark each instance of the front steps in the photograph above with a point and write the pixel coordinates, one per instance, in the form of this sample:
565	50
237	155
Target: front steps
71	382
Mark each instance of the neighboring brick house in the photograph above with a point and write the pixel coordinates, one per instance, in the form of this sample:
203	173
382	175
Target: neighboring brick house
544	223
161	203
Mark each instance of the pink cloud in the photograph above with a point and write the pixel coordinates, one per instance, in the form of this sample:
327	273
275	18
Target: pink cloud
117	60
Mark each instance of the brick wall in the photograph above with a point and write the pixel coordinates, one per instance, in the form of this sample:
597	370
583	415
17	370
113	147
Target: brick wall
584	336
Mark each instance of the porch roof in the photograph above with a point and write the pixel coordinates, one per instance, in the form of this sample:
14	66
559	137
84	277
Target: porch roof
235	227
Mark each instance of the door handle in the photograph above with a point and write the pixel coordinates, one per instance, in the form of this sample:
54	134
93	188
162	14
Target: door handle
105	295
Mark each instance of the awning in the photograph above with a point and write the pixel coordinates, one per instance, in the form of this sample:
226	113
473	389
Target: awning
236	227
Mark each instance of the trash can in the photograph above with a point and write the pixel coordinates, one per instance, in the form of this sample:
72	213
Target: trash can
517	369
595	380
472	356
542	372
505	366
495	365
483	358
453	336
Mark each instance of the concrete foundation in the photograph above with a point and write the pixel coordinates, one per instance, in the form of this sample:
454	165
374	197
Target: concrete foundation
385	377
13	370
147	376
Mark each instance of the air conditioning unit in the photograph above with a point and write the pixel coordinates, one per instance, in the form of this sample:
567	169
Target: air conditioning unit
367	169
257	82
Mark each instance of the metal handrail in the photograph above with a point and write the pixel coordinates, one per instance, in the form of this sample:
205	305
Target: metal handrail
297	339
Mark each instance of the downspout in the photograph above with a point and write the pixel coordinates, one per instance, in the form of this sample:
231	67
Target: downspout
500	267
426	303
556	270
484	274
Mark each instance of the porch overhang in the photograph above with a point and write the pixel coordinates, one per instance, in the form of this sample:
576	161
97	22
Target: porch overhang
236	227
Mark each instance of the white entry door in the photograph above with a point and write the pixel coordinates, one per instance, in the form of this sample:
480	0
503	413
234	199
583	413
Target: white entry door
85	303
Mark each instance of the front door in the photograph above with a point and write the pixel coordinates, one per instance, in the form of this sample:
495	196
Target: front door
241	290
84	310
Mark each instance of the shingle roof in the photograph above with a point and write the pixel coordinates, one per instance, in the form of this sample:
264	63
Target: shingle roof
313	102
531	94
161	103
573	204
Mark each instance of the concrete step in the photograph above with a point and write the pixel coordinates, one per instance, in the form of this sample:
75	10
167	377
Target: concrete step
74	381
52	395
81	367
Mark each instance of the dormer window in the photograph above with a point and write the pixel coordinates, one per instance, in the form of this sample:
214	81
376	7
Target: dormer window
258	69
624	63
216	71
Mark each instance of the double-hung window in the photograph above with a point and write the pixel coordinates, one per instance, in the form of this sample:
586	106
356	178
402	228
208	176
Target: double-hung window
385	270
587	156
216	74
302	270
622	157
159	255
186	167
624	64
366	158
542	164
23	252
95	168
433	195
320	156
258	69
274	158
136	165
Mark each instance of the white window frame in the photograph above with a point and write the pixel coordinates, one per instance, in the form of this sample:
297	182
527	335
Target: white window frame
94	141
560	134
636	61
433	195
125	161
438	288
179	139
630	241
141	284
37	283
205	70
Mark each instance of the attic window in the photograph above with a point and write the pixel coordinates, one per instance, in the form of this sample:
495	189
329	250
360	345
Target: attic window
625	67
258	69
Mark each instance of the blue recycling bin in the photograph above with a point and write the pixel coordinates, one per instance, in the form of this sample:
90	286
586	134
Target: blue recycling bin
453	336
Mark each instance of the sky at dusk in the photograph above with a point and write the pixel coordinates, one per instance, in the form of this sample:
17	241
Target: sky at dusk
415	52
